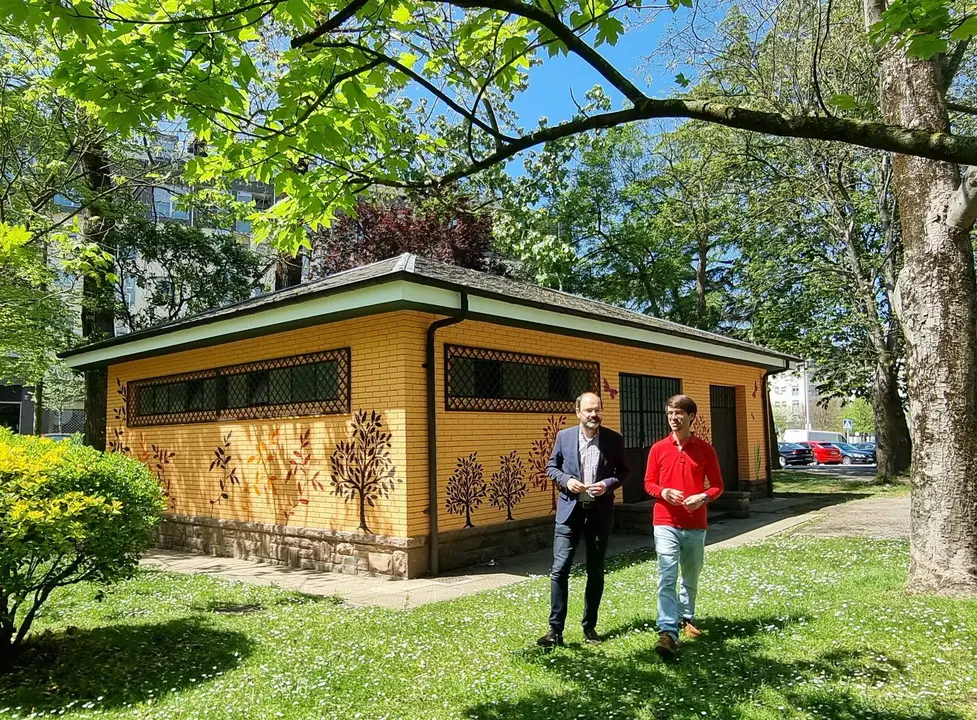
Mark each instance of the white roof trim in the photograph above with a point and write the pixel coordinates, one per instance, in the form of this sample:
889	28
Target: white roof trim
521	313
418	294
394	291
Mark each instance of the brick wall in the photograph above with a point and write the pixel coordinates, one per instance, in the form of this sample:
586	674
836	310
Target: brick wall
495	434
261	450
388	376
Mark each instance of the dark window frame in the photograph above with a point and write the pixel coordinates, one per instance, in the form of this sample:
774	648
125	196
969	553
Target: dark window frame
482	401
644	422
337	405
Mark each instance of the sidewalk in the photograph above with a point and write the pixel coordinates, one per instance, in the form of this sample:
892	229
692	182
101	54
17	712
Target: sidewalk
768	517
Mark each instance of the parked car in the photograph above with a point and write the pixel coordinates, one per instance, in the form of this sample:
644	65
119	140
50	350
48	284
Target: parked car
794	454
851	454
825	453
865	446
75	437
796	436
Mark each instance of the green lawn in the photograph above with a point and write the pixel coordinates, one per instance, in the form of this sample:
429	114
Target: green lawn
799	481
795	628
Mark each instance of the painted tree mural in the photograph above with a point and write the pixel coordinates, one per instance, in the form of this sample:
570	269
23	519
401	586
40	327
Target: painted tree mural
507	488
539	455
118	443
301	464
361	467
702	429
466	488
228	474
288	473
159	460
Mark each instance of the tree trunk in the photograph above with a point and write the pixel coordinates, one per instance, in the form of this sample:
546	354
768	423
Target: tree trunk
38	407
937	307
700	282
96	407
98	297
363	526
288	270
891	429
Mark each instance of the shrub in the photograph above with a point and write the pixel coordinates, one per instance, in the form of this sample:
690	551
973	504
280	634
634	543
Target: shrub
68	514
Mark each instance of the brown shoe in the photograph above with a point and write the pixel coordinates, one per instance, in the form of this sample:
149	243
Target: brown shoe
690	630
591	637
666	646
553	638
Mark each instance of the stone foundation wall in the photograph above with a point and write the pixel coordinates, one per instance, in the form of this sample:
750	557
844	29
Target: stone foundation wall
735	502
756	488
305	548
479	545
634	518
360	554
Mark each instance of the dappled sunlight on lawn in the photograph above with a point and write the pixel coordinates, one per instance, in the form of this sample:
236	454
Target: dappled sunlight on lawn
793	628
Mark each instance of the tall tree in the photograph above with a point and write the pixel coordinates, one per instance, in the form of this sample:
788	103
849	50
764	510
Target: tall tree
381	227
180	269
649	221
333	97
819	250
62	173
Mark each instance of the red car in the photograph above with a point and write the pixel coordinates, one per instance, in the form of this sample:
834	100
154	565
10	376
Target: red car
824	452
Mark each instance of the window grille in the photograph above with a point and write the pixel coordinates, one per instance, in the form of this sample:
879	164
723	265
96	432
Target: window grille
497	381
643	398
313	384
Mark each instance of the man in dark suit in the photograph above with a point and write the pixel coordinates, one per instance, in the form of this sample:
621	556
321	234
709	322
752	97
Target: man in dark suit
588	464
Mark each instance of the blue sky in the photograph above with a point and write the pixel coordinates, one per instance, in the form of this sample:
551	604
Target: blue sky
552	82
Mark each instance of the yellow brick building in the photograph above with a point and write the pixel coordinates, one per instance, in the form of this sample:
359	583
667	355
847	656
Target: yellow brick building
317	425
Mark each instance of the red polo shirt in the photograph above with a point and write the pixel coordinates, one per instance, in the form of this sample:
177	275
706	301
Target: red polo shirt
692	468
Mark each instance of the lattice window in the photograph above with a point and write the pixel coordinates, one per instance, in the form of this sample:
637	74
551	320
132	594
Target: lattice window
313	384
498	381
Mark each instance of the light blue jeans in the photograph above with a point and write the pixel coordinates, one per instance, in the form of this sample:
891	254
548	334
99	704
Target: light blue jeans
677	548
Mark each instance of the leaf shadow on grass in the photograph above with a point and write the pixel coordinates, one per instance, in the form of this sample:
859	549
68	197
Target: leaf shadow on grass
119	663
245	608
724	674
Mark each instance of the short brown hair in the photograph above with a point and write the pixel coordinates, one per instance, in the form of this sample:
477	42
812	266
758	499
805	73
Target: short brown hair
683	402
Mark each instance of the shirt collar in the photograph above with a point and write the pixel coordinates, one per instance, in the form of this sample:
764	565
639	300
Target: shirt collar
584	438
692	439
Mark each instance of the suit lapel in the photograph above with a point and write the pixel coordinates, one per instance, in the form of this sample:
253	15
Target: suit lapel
571	452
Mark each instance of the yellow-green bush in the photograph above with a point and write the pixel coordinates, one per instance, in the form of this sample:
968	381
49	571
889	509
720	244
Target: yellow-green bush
68	514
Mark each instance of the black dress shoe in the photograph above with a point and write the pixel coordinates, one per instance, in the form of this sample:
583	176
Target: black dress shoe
551	639
591	636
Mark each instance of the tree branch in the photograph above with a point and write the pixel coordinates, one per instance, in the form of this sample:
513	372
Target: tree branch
333	23
892	138
961	108
962	210
423	82
565	35
953	62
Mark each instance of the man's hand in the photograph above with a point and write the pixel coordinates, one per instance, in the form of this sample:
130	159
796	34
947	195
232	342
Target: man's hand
672	496
575	486
694	502
597	489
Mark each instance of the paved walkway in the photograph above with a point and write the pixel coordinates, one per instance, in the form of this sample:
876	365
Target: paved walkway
768	517
882	518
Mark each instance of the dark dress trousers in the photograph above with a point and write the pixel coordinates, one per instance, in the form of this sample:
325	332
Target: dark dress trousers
575	519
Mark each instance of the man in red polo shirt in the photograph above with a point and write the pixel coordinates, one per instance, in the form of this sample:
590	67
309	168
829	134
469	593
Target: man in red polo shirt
682	475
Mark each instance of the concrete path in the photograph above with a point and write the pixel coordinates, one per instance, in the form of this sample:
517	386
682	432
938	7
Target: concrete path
882	518
768	517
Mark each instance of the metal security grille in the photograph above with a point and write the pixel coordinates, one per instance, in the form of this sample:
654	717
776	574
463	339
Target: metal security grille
722	397
499	381
725	434
313	384
643	398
